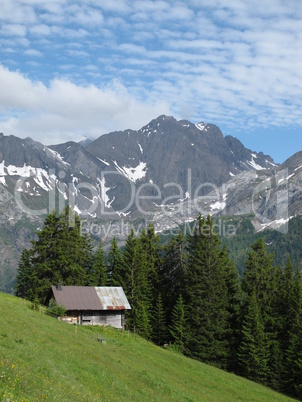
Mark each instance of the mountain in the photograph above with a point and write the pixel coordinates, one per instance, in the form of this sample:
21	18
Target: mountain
166	172
170	158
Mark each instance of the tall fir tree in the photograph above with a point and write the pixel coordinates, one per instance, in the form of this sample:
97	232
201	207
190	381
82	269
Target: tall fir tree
59	253
138	287
23	287
159	323
172	276
253	351
206	296
285	316
261	276
177	327
75	250
115	265
152	249
130	262
98	275
292	383
233	305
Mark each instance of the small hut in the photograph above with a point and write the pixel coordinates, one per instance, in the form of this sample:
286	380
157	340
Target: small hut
90	305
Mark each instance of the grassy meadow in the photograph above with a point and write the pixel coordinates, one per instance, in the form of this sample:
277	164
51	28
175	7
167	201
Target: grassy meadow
43	359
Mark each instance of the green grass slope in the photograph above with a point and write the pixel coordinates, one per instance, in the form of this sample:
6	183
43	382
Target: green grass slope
43	359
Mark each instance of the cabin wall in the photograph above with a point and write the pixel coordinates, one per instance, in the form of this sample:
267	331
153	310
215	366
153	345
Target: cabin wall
112	318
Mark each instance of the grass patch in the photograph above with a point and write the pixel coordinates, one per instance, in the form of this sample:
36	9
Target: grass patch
43	359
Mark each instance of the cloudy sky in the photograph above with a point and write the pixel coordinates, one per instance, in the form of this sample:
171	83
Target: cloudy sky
83	68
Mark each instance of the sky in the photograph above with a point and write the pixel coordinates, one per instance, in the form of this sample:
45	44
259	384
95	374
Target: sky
83	68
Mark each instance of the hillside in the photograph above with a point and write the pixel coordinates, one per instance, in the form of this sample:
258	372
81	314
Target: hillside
44	359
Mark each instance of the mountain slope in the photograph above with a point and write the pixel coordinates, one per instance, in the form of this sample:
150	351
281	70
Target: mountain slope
44	359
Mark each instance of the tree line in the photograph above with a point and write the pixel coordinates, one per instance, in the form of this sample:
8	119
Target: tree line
186	293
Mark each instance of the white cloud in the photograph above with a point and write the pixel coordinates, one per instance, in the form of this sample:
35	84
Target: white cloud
238	63
33	52
40	29
13	30
65	111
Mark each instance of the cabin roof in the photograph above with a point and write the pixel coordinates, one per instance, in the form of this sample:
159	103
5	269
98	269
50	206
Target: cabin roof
91	298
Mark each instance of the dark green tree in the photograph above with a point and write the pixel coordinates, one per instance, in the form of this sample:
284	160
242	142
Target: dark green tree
233	305
23	287
115	266
253	351
159	324
98	275
178	326
152	249
59	253
138	287
75	250
261	276
206	296
130	262
172	275
285	281
293	372
293	354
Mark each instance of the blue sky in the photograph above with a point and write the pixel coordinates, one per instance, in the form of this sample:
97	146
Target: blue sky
70	69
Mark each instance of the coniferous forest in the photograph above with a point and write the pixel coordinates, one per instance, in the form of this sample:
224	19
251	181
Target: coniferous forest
186	293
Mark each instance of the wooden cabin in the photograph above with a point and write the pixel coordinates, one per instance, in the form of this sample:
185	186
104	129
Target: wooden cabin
88	305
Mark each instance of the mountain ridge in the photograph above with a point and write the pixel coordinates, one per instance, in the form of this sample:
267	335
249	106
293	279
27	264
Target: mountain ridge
166	173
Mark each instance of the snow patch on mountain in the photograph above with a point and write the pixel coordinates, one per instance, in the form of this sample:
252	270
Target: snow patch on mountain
105	162
201	126
39	175
104	191
253	164
133	173
140	147
57	156
275	224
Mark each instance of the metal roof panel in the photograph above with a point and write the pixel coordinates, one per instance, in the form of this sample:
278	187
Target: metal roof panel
91	298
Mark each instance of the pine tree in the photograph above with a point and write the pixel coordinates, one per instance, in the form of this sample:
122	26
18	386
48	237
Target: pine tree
59	253
293	373
98	275
138	287
159	325
151	249
261	276
142	320
178	327
115	265
285	316
293	355
153	252
233	305
206	297
23	280
172	275
253	352
75	251
130	265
